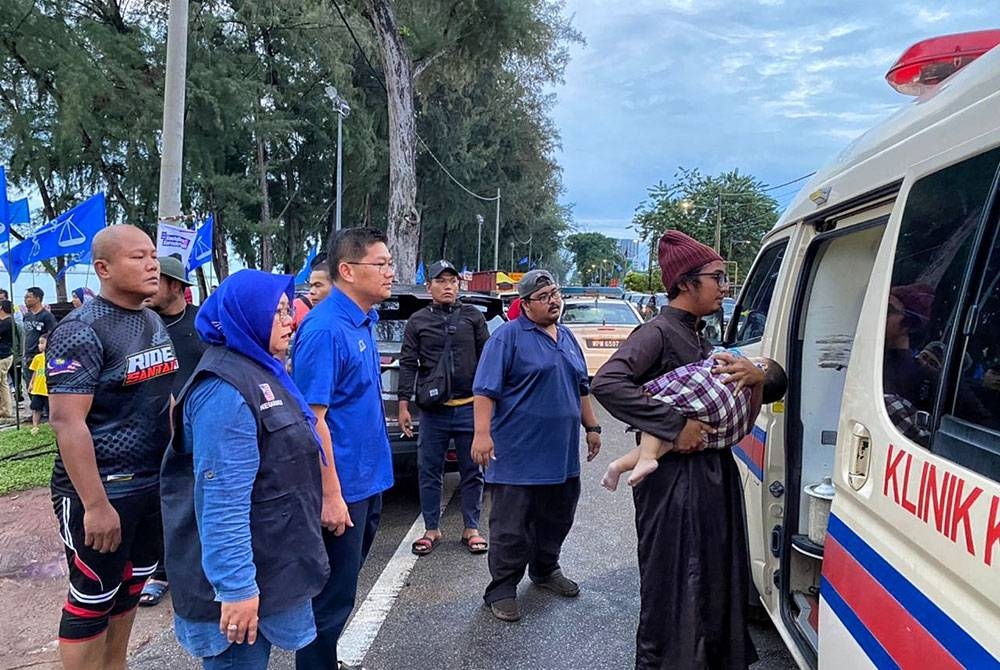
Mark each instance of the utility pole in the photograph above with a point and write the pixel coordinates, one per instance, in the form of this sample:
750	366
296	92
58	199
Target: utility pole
479	243
172	159
496	236
718	223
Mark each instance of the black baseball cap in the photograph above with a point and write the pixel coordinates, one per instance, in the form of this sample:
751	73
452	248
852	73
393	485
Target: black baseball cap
440	268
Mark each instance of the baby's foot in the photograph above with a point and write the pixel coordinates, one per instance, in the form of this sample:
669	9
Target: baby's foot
611	477
643	469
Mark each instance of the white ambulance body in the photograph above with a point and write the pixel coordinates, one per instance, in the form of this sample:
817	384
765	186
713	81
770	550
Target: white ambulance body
879	291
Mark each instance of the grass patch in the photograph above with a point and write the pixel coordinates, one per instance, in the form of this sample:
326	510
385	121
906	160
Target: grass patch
26	473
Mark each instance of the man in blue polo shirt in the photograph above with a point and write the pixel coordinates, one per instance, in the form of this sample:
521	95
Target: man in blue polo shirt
531	396
336	365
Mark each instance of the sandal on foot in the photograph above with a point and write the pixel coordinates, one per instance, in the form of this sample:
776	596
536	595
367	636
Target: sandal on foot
476	544
424	545
152	593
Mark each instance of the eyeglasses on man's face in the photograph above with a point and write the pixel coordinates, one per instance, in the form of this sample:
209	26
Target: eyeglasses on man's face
720	277
385	267
551	296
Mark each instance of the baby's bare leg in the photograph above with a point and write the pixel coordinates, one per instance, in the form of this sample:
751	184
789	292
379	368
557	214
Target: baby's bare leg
650	449
618	467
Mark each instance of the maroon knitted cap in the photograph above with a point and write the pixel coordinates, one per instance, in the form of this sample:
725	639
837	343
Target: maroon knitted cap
680	254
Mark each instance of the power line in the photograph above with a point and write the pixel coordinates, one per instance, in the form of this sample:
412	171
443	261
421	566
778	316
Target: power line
789	183
378	77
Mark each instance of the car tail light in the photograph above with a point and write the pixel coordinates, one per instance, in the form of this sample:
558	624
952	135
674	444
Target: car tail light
926	64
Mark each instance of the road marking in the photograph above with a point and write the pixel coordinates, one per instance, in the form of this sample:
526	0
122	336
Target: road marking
368	618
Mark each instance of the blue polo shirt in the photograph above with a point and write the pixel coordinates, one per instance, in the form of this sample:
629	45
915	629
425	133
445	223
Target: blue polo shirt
536	383
335	363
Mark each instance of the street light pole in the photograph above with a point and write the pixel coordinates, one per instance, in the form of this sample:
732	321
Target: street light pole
496	236
511	256
171	161
718	223
343	110
479	243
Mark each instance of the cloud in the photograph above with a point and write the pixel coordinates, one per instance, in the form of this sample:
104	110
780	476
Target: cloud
925	15
770	87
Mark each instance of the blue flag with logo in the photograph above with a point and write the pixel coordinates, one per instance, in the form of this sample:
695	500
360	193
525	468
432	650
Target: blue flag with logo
201	250
420	278
523	261
71	233
303	276
10	212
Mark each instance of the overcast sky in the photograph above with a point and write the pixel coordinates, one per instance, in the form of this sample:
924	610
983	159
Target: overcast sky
774	88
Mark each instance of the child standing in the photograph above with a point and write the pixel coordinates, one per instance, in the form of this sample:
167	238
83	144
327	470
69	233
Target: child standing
39	388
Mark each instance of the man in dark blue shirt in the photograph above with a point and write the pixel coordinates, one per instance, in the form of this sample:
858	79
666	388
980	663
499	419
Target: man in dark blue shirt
531	396
336	366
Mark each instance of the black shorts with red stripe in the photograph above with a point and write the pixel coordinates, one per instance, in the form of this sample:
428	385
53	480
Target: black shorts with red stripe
102	586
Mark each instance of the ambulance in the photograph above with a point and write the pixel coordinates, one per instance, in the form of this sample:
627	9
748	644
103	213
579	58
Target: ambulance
873	490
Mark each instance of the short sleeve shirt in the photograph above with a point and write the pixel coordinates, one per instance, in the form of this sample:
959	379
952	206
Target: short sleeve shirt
535	383
187	345
335	363
36	325
123	358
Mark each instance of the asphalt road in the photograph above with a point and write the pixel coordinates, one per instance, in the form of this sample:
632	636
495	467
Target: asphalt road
438	622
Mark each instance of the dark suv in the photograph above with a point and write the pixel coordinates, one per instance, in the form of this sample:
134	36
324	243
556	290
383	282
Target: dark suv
393	314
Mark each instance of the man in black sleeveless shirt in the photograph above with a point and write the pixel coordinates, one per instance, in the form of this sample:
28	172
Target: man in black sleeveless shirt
110	365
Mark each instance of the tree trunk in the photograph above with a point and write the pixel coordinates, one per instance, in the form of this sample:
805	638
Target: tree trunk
404	218
220	253
266	253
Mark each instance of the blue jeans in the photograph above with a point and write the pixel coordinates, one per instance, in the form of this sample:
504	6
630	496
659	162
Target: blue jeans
332	607
437	427
241	656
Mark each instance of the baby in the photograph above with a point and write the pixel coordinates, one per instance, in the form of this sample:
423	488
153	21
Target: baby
698	394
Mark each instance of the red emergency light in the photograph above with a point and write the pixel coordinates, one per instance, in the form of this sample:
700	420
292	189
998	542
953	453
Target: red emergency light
926	64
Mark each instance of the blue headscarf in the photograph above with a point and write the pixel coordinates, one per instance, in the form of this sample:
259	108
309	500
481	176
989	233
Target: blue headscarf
239	315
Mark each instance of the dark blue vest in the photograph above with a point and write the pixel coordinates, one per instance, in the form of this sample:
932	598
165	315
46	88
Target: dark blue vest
285	503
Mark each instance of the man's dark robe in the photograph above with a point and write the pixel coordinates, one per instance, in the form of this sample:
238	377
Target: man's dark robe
693	565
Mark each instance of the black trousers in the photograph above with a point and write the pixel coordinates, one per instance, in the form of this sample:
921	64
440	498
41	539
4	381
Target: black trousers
528	524
693	567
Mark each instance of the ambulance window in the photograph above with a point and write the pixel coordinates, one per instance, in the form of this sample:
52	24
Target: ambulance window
975	440
750	315
932	255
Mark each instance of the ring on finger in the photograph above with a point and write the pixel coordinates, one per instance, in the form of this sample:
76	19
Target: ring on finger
232	626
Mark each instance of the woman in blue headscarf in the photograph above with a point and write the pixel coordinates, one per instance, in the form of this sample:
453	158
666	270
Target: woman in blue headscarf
80	296
240	484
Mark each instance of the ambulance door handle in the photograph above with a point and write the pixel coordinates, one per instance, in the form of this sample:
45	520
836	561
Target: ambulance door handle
861	446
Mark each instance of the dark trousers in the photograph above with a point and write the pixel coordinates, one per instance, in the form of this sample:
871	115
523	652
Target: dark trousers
693	566
332	607
528	525
437	428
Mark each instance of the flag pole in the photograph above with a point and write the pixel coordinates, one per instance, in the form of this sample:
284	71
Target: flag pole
15	341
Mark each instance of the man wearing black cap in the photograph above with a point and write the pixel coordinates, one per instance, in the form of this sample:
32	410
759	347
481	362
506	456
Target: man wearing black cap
531	397
442	344
178	316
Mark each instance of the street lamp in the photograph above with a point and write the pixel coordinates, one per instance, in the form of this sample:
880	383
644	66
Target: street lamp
479	244
512	257
343	110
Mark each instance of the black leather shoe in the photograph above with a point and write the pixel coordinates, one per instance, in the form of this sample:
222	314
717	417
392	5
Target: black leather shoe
506	609
560	584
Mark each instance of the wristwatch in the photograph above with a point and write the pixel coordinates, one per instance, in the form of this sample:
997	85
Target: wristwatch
593	429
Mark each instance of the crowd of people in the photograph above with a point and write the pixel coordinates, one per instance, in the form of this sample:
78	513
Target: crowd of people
207	450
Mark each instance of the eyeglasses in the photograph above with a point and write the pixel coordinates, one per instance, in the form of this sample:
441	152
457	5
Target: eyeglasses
385	267
720	277
283	314
551	296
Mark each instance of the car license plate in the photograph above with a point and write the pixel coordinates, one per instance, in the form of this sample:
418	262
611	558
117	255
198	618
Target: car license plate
603	344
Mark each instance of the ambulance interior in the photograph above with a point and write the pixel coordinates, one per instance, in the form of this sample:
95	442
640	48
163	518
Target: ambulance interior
825	320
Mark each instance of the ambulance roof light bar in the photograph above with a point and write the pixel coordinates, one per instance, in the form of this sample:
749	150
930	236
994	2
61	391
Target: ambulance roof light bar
926	64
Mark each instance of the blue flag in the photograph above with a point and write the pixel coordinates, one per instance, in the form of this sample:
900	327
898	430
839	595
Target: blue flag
18	211
83	258
71	233
303	276
420	274
10	212
201	250
523	261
